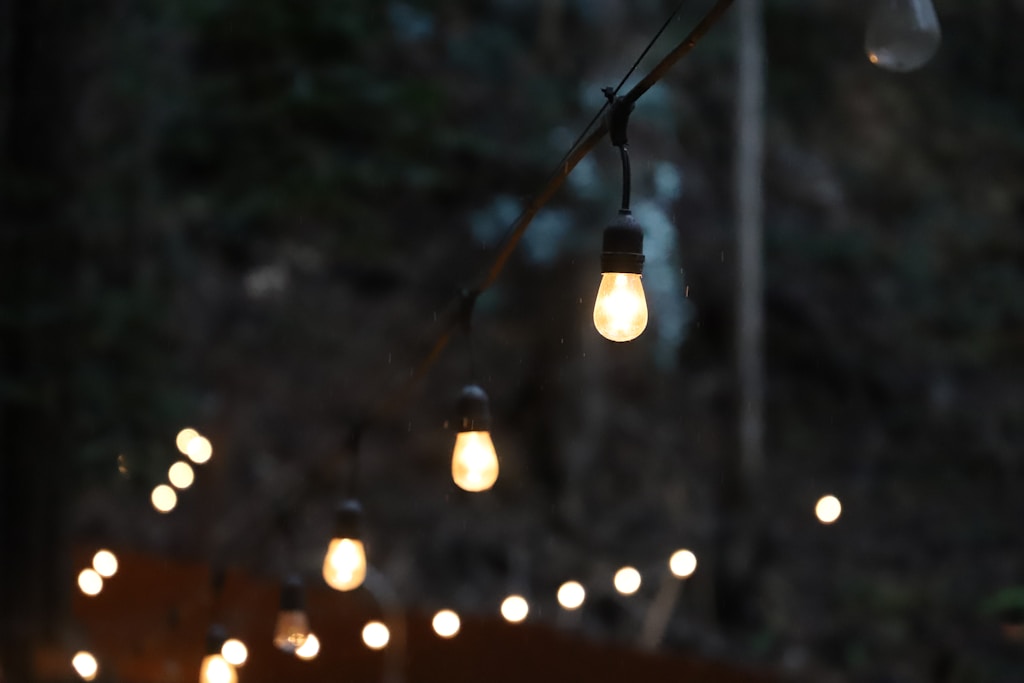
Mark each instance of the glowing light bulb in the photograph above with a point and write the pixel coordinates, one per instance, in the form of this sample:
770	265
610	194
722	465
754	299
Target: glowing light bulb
627	580
682	564
292	627
902	35
164	498
105	563
216	669
345	562
376	635
571	595
620	312
515	608
828	509
90	582
181	475
199	450
474	461
184	438
234	652
310	649
85	665
446	623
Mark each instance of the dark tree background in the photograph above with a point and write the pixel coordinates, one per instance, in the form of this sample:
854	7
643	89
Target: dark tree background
249	217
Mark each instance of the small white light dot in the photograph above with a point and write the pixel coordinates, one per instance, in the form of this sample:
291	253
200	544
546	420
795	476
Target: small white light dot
682	563
828	509
446	623
515	608
571	595
181	475
90	582
310	649
85	665
164	498
234	651
627	580
376	635
105	563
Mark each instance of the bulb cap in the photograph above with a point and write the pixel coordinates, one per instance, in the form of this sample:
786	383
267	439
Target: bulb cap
623	247
474	410
292	599
216	636
348	520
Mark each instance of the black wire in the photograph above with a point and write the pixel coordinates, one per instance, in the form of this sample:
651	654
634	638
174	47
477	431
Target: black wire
626	176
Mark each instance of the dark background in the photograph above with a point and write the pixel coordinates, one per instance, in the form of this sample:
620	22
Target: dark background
250	216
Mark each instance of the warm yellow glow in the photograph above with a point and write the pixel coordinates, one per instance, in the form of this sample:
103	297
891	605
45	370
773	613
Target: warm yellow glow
216	669
620	312
291	630
515	608
164	498
234	652
181	475
310	649
682	563
85	665
446	623
376	635
184	438
199	450
105	563
571	595
828	509
90	582
345	564
627	580
474	462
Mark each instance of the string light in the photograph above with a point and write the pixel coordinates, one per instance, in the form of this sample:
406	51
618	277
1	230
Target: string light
164	498
345	562
184	438
902	35
234	652
85	665
571	595
90	582
627	580
376	635
682	564
105	563
214	667
828	509
292	627
310	649
181	475
446	623
199	450
515	608
474	461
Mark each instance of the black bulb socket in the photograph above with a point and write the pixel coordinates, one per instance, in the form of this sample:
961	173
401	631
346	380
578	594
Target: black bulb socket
623	247
216	636
292	599
348	520
474	410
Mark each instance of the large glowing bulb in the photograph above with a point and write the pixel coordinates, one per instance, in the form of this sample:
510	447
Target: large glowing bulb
474	461
292	626
828	509
376	635
310	649
105	563
216	669
627	580
85	665
446	623
620	312
515	608
90	582
234	652
902	35
571	595
345	564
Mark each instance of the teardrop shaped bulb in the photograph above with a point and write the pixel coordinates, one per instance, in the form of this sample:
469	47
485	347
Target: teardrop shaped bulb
902	35
620	311
474	461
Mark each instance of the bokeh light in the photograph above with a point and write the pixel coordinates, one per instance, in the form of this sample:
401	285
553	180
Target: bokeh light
571	595
105	563
85	665
199	450
234	651
310	649
184	438
682	563
515	608
181	475
627	580
828	509
446	623
164	498
90	582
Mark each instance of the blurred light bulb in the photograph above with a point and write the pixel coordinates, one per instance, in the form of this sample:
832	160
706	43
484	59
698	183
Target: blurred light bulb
446	623
474	461
627	580
216	669
85	665
234	652
345	564
199	450
620	312
181	475
90	582
310	649
571	595
682	563
828	509
184	438
902	35
105	563
292	627
515	608
164	498
376	635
